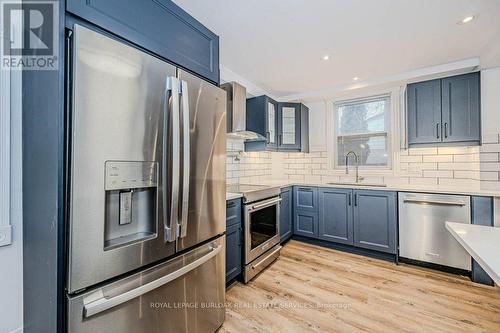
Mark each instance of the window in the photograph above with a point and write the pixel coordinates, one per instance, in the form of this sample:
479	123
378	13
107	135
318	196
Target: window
362	126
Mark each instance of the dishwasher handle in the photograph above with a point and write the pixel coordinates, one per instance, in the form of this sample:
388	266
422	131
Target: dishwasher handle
436	202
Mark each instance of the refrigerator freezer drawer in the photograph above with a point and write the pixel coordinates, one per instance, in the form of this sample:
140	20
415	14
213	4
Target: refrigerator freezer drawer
165	298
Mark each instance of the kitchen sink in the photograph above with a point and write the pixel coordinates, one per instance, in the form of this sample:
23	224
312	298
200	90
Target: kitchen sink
358	184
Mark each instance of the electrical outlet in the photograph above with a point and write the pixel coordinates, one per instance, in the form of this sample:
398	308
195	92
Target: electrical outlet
5	235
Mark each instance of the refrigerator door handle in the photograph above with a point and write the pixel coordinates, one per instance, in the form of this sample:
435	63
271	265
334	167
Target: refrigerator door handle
170	224
102	304
186	159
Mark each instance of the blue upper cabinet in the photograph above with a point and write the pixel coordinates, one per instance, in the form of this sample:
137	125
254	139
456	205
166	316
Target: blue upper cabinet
444	111
262	118
460	102
159	26
424	112
285	125
293	127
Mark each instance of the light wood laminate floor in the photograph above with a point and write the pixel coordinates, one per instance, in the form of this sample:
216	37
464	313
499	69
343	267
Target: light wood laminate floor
314	289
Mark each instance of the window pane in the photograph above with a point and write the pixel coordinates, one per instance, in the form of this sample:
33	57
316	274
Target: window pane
371	150
362	117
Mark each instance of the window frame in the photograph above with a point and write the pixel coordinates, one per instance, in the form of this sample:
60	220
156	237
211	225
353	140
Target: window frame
334	160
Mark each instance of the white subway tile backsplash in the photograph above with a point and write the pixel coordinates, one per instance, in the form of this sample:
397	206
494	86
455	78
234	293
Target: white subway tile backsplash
457	166
489	176
447	166
423	151
490	148
438	174
489	157
466	174
423	181
411	159
438	158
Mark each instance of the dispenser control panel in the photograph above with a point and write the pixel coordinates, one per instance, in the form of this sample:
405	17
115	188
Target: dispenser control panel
121	175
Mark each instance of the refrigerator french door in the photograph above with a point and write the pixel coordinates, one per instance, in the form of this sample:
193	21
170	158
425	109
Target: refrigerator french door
147	180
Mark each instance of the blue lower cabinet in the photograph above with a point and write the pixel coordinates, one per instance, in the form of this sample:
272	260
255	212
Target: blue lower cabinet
482	214
305	223
234	239
286	214
233	251
305	198
335	215
375	220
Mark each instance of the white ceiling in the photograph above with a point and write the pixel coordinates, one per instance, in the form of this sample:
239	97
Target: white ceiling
278	44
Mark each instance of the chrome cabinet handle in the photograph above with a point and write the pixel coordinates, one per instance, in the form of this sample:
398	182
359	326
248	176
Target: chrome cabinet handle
172	97
104	303
350	197
446	130
186	159
436	202
437	130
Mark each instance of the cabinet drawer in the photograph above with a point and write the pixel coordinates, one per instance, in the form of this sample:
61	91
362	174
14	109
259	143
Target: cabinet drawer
233	212
159	26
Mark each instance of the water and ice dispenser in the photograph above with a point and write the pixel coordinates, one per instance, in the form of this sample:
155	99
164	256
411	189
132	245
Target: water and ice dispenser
131	202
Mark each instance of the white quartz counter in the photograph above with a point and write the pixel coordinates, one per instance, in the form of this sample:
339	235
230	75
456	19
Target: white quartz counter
231	196
482	243
400	188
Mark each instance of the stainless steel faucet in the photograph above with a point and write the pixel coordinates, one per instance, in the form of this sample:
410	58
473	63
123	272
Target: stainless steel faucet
358	178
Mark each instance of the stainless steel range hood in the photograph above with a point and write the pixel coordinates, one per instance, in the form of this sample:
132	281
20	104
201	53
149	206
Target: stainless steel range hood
237	113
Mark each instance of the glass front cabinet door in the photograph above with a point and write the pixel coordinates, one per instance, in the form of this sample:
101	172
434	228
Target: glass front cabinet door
272	123
289	126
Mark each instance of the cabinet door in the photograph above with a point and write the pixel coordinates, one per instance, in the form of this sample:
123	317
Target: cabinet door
286	217
233	251
305	223
233	212
460	106
289	126
271	123
159	26
335	215
305	198
375	220
424	112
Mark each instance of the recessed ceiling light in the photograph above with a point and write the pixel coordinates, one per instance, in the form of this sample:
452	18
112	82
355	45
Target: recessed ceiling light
467	19
355	78
325	57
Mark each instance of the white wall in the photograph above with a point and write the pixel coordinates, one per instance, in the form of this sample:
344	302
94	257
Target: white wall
11	256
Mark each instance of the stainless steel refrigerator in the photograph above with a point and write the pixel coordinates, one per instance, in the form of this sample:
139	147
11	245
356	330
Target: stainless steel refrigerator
146	202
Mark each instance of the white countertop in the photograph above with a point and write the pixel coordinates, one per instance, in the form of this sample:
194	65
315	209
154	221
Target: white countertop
482	243
231	195
400	188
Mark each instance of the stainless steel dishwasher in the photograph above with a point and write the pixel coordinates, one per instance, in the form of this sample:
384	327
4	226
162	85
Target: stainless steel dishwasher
422	232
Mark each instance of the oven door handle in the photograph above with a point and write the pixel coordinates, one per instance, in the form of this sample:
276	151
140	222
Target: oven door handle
266	203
